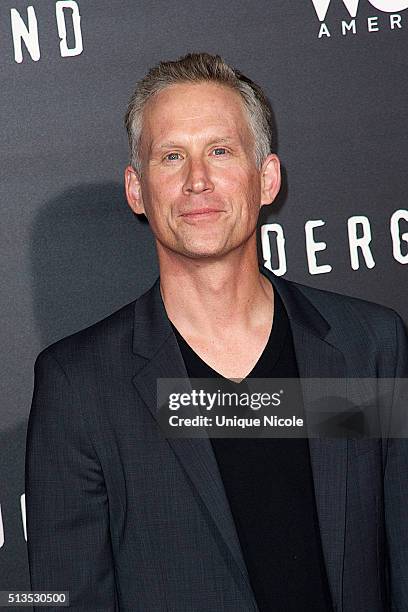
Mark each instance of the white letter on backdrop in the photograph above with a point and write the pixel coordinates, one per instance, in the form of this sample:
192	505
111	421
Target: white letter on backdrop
395	234
322	6
23	515
363	242
29	34
280	247
389	6
313	247
62	30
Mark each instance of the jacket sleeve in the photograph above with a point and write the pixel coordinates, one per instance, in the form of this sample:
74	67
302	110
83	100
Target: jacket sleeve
396	481
69	547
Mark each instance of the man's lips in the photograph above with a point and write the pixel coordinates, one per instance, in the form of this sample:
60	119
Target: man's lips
198	212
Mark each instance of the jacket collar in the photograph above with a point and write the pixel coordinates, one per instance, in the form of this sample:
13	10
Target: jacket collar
152	326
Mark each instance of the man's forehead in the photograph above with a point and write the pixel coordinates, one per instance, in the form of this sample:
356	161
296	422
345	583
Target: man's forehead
204	109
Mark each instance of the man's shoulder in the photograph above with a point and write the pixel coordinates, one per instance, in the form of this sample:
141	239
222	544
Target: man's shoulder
108	336
352	317
331	301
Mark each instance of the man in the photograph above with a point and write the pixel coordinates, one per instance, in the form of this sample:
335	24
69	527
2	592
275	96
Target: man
126	519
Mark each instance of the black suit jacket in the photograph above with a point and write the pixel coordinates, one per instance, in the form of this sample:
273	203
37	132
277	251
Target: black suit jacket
126	519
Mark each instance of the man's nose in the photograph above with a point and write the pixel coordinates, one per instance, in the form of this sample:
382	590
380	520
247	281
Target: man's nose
197	178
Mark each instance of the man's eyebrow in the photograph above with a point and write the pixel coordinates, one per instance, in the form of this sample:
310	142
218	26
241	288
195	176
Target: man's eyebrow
166	145
223	139
172	143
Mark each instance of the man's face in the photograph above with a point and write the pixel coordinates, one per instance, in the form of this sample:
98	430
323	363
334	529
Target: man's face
200	188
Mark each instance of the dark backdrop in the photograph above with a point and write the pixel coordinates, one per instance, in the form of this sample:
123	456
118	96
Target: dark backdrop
72	251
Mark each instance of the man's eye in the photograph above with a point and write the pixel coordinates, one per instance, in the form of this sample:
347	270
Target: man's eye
172	156
219	151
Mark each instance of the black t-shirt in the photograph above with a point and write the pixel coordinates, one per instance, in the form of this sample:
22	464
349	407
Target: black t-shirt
269	486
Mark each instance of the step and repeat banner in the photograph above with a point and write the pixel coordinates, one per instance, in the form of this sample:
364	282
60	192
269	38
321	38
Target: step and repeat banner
72	251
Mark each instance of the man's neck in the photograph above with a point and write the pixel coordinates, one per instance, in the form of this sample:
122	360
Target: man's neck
216	298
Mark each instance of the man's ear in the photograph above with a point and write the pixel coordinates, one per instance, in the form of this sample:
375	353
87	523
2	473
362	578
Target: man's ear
133	191
270	179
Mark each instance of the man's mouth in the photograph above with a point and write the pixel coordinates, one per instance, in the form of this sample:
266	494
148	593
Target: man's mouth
201	213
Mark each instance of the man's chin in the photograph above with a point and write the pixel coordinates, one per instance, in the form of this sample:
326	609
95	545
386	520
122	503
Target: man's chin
199	249
202	249
204	253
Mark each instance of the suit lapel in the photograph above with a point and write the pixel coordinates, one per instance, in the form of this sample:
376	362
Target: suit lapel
155	340
318	358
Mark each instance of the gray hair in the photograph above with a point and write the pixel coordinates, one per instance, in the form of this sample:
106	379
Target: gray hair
193	68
